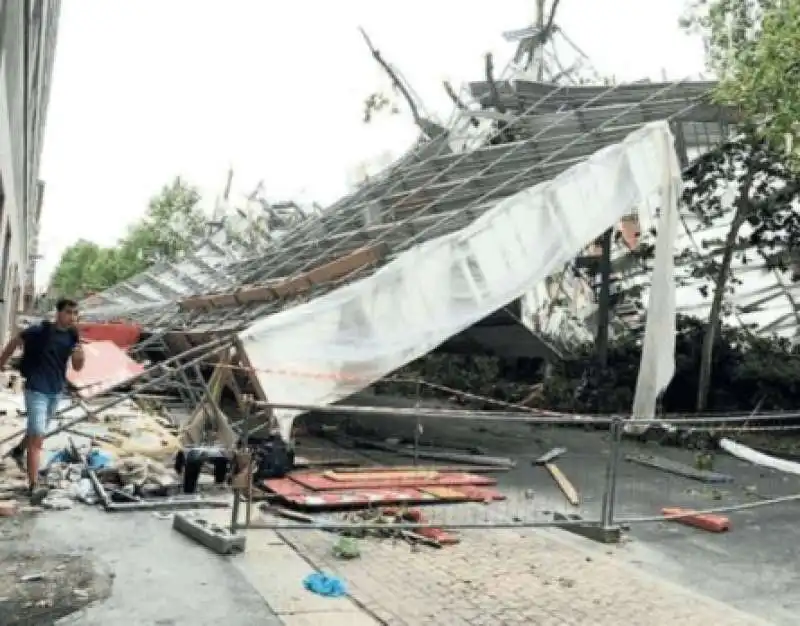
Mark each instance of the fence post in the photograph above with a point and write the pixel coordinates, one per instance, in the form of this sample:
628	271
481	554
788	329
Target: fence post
609	496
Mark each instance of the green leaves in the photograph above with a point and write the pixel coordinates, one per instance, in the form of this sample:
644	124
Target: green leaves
753	46
172	225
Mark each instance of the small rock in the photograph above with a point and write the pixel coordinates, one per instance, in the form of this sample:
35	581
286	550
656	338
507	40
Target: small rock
29	578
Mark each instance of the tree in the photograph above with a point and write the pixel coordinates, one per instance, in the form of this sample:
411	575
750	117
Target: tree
172	225
753	46
750	183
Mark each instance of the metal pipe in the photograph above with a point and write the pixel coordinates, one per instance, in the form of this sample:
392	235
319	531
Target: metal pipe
519	416
610	493
412	526
215	346
434	413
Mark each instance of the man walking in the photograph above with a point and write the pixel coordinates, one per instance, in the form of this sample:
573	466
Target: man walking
46	348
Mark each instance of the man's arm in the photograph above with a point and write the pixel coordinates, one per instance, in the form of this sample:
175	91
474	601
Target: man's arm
78	357
9	350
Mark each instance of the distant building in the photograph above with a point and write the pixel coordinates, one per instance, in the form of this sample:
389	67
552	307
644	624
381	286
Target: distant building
27	49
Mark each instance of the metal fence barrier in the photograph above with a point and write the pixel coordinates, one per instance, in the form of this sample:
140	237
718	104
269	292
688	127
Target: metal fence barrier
619	480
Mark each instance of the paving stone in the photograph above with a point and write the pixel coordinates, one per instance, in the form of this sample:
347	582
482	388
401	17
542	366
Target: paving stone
343	618
277	573
509	577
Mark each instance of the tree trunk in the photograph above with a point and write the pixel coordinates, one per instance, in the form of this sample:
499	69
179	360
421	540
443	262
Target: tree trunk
704	382
603	305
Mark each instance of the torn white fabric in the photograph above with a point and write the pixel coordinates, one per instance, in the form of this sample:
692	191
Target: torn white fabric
331	347
657	365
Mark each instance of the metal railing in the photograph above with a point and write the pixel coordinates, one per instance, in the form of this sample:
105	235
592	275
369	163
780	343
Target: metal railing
602	481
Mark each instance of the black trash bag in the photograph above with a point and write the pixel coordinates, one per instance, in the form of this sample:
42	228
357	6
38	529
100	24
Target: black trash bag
274	458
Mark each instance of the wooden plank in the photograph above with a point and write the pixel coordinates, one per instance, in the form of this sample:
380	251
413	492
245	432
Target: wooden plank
372	476
679	469
222	300
338	268
570	493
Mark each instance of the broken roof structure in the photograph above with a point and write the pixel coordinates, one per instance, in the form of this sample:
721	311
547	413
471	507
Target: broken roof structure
470	237
442	240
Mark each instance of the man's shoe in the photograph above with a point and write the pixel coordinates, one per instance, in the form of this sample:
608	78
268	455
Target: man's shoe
38	494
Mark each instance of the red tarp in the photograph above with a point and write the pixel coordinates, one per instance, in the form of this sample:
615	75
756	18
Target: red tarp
106	365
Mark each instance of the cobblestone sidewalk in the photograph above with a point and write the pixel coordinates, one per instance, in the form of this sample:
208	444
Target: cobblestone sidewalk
505	577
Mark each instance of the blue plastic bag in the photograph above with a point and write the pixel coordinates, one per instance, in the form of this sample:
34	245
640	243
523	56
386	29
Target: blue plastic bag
325	585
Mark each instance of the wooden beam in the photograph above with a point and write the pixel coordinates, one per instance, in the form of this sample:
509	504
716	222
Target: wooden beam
282	288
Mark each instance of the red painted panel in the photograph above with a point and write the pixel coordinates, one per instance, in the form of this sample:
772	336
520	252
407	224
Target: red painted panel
297	496
122	334
106	365
319	482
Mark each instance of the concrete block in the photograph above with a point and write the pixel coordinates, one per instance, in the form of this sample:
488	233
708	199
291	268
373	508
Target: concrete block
213	536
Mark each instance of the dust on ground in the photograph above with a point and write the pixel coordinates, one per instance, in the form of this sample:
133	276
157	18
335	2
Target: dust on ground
40	587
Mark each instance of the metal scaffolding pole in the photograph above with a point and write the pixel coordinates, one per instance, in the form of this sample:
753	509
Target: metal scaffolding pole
206	350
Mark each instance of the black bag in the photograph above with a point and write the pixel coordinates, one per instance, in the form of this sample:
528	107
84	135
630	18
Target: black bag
275	458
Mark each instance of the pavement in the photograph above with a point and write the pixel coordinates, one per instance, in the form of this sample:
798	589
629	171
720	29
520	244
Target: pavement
511	578
665	572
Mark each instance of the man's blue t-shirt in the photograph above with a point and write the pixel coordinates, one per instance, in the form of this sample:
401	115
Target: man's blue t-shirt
45	352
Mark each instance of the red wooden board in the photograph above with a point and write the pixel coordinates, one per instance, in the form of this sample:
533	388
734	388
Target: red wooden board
319	482
296	495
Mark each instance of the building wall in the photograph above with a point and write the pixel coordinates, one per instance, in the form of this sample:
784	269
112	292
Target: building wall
27	48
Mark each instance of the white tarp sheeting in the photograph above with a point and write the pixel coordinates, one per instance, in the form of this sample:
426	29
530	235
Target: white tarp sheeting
326	349
658	350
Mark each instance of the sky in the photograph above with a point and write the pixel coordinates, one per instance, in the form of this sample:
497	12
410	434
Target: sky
146	90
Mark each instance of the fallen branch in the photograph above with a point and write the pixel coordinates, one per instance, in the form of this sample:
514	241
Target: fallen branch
431	129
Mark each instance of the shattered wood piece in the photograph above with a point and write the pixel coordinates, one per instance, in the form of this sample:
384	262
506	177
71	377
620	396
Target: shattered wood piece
384	475
325	273
549	456
679	469
569	491
301	462
475	469
705	521
437	535
98	488
414	537
296	516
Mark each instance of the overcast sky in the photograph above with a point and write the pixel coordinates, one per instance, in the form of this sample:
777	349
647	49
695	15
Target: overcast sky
144	90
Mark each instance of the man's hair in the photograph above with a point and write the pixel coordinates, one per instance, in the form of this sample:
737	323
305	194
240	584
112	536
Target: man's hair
66	303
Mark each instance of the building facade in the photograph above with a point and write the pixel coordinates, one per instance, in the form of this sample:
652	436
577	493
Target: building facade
27	49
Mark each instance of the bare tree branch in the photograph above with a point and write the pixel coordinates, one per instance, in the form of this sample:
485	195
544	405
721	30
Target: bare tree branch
498	105
460	105
425	125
